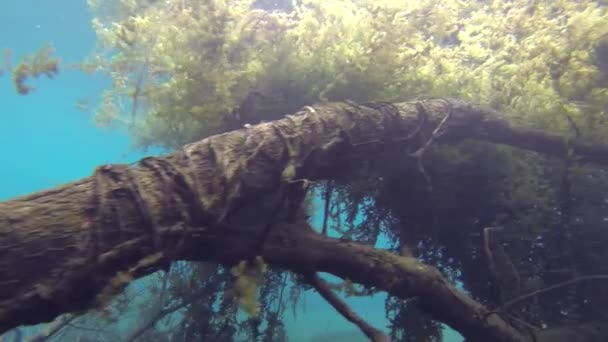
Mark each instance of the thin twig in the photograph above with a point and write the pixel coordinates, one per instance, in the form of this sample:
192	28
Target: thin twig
490	259
375	335
438	132
328	191
52	329
280	300
161	314
553	287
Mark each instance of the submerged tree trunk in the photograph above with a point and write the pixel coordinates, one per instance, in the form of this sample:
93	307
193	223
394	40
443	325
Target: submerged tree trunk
69	248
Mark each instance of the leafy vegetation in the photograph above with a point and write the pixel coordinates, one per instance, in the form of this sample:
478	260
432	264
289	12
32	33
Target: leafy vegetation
35	65
191	67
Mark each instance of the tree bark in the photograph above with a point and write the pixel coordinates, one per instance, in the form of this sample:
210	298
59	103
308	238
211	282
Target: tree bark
69	248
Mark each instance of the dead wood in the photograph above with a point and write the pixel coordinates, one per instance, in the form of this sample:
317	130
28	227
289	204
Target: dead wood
68	248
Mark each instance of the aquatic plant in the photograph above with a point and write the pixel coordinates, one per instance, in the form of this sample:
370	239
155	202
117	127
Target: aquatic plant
191	66
248	277
35	65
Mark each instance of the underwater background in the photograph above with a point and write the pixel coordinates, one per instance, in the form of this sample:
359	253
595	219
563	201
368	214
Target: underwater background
53	136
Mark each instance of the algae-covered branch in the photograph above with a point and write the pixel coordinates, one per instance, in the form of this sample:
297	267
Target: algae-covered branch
231	197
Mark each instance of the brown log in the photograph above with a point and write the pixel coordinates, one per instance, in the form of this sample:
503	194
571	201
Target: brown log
62	249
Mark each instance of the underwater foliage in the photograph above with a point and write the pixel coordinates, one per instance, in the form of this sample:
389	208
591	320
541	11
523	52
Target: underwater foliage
187	66
35	65
248	278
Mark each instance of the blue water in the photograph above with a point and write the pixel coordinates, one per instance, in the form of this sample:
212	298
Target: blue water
45	140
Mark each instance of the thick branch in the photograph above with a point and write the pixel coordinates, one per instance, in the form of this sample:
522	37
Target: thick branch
59	249
301	249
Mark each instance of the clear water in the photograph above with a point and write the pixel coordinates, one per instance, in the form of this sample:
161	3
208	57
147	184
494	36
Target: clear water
49	137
